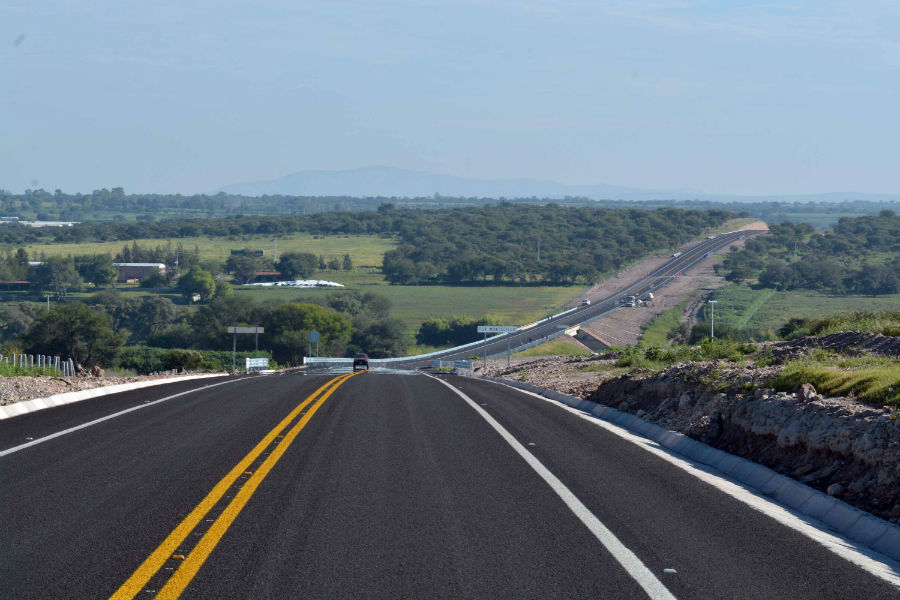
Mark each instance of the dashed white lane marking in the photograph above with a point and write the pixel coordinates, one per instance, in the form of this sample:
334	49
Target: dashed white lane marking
47	438
629	561
870	561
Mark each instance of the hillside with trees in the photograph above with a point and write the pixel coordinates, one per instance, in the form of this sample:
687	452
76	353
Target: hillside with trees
114	205
858	255
504	243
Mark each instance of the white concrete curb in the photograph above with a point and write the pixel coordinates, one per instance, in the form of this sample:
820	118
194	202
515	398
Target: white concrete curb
27	406
848	521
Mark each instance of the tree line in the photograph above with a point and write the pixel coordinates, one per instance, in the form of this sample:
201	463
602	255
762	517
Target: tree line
93	331
858	255
504	243
116	205
553	244
388	219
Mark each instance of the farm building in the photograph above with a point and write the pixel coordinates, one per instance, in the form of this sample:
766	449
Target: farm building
132	271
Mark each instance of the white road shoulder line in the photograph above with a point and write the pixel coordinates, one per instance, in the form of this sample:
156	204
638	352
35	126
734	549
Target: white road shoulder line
629	561
869	561
47	438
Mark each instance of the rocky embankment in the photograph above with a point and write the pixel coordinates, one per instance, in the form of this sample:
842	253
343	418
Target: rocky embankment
17	389
838	445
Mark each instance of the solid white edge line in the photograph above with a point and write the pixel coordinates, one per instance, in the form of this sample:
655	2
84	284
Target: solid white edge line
871	562
47	438
629	561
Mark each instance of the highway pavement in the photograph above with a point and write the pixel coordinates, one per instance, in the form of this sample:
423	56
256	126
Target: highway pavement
375	485
650	282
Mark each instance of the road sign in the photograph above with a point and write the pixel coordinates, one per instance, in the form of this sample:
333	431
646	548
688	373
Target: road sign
496	329
256	363
245	330
314	337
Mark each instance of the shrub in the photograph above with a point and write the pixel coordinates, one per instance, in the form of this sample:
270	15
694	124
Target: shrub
182	359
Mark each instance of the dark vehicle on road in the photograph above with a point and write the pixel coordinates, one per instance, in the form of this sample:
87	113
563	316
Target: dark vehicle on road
361	361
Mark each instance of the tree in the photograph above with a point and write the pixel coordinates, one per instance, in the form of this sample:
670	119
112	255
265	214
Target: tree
14	320
58	274
197	282
347	264
245	266
152	314
379	338
210	321
297	265
223	289
97	269
73	330
289	326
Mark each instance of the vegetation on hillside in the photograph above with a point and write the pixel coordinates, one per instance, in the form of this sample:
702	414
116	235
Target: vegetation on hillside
859	255
530	243
508	242
885	322
116	206
871	379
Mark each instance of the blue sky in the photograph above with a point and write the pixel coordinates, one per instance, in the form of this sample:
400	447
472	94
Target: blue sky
728	96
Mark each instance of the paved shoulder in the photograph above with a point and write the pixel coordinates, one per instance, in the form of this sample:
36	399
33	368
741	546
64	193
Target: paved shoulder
720	548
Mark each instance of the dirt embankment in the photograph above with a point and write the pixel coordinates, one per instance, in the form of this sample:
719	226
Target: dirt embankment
17	389
624	327
838	445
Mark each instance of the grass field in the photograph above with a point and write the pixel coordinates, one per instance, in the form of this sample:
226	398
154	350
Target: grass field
363	249
872	379
561	346
766	311
656	332
735	303
510	305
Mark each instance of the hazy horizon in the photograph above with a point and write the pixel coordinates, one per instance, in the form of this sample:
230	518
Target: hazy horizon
733	99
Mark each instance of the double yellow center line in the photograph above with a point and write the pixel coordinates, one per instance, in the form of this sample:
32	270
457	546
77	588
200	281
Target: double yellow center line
191	563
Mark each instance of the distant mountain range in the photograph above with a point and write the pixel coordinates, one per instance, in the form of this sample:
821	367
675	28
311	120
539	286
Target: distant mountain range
391	181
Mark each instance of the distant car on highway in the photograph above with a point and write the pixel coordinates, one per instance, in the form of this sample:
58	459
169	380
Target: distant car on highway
361	361
676	255
585	302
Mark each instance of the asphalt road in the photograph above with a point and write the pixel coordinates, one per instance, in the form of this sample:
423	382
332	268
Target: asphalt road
381	485
652	281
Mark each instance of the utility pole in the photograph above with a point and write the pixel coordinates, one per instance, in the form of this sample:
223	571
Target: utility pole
712	321
48	302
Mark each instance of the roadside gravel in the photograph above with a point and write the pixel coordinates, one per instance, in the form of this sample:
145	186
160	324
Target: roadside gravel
18	389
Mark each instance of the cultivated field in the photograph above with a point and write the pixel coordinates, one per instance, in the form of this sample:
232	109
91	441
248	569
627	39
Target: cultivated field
766	310
363	249
511	305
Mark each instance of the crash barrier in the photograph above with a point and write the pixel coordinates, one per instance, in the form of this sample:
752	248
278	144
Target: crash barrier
40	362
457	367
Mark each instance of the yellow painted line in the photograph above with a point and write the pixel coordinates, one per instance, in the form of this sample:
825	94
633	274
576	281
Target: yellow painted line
188	569
157	559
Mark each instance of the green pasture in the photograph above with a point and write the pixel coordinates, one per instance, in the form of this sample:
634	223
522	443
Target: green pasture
560	346
363	249
764	310
510	305
656	332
